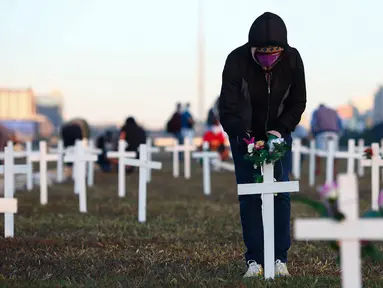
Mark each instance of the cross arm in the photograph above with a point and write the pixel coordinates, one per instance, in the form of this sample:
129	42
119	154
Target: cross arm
114	154
20	169
268	188
205	154
8	205
327	229
346	154
173	149
154	149
321	153
139	163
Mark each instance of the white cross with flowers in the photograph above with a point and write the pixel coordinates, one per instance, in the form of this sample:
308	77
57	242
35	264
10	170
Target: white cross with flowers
348	232
267	189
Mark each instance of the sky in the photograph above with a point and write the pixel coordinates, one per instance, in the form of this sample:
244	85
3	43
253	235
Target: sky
117	58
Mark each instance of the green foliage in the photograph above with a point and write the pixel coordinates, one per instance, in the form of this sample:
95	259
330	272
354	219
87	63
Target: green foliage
259	157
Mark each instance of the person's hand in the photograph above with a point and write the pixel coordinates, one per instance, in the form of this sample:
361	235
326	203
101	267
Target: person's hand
272	134
245	136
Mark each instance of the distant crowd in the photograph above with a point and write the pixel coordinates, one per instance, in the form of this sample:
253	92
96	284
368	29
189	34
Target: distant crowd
325	125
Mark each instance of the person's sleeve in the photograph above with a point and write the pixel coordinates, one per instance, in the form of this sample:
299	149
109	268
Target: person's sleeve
295	104
228	104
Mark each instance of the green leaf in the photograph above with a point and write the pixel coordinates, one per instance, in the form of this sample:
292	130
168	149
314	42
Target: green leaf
372	214
316	205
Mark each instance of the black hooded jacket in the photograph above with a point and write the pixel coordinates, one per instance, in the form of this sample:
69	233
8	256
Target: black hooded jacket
248	102
134	134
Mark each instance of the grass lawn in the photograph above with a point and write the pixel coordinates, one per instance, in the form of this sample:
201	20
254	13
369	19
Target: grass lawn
189	240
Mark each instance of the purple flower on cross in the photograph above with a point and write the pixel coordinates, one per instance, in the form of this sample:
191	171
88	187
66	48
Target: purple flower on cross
380	199
329	191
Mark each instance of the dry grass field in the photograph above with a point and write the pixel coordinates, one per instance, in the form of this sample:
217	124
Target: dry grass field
189	240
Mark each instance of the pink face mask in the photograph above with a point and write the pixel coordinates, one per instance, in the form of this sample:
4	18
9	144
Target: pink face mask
267	60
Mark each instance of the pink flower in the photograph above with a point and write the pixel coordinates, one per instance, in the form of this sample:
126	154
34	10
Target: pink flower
329	191
252	140
259	145
380	199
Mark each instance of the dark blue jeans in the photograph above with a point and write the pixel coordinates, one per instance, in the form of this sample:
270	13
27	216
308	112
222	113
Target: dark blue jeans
251	206
180	139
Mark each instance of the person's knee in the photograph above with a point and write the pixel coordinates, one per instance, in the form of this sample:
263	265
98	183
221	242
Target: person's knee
249	200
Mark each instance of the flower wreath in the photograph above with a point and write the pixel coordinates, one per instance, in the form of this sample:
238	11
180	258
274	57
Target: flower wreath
328	208
260	152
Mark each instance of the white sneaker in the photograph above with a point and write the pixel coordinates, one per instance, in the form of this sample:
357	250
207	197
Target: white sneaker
254	270
281	269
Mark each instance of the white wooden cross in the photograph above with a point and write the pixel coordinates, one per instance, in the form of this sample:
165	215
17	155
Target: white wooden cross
206	155
16	154
351	155
79	159
312	154
67	151
121	154
298	149
330	157
143	164
186	148
71	150
219	164
376	162
150	150
8	206
9	169
349	232
361	149
92	150
43	158
29	152
267	189
176	159
60	151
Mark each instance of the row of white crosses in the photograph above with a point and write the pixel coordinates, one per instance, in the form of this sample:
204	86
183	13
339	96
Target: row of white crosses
125	158
80	156
150	150
267	189
348	232
90	150
121	155
206	157
43	158
8	204
353	153
187	148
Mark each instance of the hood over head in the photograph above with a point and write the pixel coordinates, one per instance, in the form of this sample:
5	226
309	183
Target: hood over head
268	30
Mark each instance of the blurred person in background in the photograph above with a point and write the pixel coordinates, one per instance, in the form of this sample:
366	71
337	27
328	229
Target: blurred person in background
212	116
216	139
106	143
326	125
5	136
187	124
70	132
134	135
173	126
301	132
